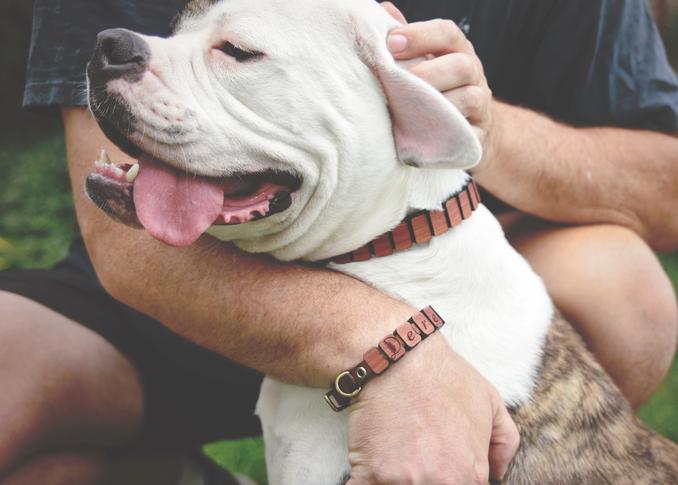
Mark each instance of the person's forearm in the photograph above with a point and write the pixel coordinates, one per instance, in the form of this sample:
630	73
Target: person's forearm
585	175
299	324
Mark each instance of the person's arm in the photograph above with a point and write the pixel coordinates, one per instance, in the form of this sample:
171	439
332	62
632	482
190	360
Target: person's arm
585	175
303	326
557	172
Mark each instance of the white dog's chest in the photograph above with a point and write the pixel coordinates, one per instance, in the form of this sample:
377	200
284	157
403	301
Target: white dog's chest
497	313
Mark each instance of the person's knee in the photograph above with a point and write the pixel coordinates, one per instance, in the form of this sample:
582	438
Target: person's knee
19	414
61	384
609	283
630	300
650	299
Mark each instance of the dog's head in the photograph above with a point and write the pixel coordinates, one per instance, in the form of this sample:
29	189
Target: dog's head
285	126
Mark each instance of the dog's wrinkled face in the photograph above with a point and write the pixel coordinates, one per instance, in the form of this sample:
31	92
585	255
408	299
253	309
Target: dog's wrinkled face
252	120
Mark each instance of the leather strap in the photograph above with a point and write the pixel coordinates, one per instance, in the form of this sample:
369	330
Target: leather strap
418	228
377	360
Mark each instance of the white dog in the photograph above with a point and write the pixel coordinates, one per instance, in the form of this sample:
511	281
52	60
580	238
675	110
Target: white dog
310	141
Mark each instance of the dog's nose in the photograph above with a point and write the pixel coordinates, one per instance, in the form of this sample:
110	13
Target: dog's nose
119	53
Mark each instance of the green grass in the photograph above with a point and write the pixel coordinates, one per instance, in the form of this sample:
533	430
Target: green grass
35	232
241	456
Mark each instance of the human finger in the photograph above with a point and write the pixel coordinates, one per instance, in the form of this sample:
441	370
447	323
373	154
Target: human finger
471	101
394	12
436	37
449	71
504	443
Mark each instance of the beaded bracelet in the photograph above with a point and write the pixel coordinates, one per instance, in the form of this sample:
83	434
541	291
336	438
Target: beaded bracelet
392	348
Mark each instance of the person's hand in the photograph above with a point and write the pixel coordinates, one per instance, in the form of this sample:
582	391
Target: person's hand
430	419
449	64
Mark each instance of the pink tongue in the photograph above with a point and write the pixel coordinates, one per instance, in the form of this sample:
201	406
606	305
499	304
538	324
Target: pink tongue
174	207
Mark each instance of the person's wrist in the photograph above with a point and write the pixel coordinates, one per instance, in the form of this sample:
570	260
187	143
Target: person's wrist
492	143
366	334
428	359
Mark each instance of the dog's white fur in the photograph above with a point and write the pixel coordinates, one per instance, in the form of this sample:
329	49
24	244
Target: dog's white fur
315	105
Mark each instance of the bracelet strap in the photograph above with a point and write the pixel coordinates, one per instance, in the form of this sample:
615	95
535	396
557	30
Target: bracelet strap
391	349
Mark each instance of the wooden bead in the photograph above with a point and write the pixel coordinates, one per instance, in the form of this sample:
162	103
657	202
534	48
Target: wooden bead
438	222
423	324
342	259
453	212
393	347
408	334
401	237
474	188
433	316
362	254
421	229
376	361
465	204
382	245
474	198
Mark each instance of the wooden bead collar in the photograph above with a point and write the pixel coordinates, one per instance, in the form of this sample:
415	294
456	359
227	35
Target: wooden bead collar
418	228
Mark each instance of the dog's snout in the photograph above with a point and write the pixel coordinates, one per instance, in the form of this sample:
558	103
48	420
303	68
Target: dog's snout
119	53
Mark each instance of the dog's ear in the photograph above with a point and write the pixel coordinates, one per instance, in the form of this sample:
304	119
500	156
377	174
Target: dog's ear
428	130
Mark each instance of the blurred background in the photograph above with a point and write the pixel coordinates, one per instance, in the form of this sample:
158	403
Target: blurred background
37	220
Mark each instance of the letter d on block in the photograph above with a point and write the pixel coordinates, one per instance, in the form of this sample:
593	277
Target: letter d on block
393	347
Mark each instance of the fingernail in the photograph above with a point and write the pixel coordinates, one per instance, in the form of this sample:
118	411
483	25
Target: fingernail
396	43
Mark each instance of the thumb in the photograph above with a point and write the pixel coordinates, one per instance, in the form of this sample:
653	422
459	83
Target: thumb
504	441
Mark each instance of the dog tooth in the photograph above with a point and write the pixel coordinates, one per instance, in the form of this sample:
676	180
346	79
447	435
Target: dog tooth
118	171
132	173
103	156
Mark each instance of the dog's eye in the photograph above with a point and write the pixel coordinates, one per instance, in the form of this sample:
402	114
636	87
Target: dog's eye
237	53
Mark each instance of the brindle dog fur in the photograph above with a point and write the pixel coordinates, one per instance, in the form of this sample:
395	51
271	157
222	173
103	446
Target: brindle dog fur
579	428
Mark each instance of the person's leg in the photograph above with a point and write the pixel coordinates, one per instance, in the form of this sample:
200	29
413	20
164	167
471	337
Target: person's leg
610	285
69	398
86	467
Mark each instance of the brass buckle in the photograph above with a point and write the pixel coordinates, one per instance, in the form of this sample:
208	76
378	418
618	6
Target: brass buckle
347	395
334	404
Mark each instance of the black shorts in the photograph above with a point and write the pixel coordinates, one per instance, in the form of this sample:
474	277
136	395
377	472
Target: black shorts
192	396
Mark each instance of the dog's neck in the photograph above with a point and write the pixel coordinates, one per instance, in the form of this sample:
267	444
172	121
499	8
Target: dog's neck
406	191
430	188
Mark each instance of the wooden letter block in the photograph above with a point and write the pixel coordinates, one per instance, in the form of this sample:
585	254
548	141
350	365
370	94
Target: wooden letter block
409	334
401	237
382	245
453	212
342	259
421	229
423	324
433	316
474	197
474	187
392	347
361	254
465	204
438	222
376	361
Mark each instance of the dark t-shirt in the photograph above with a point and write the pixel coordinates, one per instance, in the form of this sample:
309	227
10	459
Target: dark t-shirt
586	62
